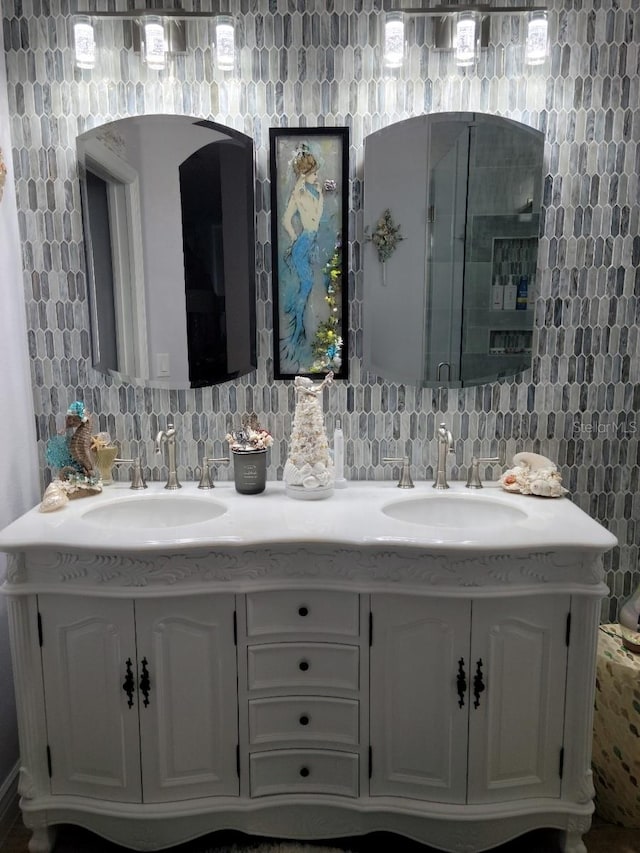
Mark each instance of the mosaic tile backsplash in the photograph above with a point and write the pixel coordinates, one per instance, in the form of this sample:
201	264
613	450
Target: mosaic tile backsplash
303	62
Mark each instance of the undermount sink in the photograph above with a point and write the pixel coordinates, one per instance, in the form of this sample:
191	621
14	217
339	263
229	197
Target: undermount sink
454	511
155	511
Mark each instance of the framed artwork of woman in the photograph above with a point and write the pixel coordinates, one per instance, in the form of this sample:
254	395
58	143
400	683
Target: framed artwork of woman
309	215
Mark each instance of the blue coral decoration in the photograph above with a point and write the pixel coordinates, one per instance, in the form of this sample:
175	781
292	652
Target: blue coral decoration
58	453
77	409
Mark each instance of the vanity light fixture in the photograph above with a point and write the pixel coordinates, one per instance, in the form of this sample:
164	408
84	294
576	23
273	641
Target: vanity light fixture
154	42
393	56
466	39
536	45
225	42
156	34
467	27
84	42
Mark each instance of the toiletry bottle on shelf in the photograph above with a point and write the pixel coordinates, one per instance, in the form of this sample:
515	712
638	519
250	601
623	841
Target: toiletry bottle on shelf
338	457
497	294
511	293
522	297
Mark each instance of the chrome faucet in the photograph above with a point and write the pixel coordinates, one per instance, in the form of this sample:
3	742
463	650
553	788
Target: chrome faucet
137	477
473	478
168	437
445	445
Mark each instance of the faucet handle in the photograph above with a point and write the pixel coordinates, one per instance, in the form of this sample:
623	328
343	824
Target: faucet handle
405	481
137	477
445	436
473	477
205	479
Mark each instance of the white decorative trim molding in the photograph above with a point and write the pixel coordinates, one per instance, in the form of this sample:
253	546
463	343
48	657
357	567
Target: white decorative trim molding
336	564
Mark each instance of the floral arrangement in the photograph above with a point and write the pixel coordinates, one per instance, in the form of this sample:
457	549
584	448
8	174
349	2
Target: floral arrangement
251	436
385	237
327	344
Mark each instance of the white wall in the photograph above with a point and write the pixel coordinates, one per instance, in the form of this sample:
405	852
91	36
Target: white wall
18	453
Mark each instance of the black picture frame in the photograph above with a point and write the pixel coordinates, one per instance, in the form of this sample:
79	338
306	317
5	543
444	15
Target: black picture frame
309	174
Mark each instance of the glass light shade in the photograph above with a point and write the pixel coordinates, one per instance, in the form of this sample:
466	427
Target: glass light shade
393	56
225	42
536	47
84	42
466	39
154	42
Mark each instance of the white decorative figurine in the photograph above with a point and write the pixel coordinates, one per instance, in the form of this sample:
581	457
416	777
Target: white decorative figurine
309	472
533	474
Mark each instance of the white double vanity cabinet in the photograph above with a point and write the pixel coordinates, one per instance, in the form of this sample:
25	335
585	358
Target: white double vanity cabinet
306	669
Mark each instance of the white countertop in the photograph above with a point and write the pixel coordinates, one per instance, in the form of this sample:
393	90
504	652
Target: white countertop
352	517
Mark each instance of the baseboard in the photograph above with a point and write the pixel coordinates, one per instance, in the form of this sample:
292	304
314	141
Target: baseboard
8	803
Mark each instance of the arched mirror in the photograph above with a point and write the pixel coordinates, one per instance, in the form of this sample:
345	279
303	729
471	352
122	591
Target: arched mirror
452	217
168	216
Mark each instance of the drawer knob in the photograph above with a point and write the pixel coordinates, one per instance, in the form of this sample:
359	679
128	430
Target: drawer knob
303	611
304	772
303	666
304	720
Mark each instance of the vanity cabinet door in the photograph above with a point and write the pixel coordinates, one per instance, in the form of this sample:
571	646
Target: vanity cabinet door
518	668
504	742
418	730
92	731
141	699
189	717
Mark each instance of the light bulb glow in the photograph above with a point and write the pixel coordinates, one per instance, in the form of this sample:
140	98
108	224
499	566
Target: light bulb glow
536	47
154	43
225	42
84	42
466	39
394	40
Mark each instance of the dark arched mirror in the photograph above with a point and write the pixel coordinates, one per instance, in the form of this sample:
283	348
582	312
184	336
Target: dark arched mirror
452	303
168	216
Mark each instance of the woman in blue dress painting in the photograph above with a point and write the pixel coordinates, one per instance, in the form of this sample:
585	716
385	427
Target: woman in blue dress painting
301	221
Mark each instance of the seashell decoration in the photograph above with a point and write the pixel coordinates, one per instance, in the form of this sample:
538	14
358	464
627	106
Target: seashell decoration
74	458
308	472
55	497
81	440
533	474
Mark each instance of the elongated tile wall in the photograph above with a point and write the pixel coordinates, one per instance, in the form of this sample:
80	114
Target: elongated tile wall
303	62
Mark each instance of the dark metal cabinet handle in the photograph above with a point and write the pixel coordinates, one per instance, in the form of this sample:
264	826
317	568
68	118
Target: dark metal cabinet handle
145	682
461	682
304	772
478	684
304	720
303	611
129	684
304	665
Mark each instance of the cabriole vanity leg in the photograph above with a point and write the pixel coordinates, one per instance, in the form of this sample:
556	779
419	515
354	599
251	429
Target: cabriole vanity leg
42	839
573	843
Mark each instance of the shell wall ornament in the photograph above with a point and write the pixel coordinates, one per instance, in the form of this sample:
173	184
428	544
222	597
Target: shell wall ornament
533	474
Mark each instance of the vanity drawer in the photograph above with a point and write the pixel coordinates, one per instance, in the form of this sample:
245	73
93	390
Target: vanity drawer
302	665
294	718
303	771
303	612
